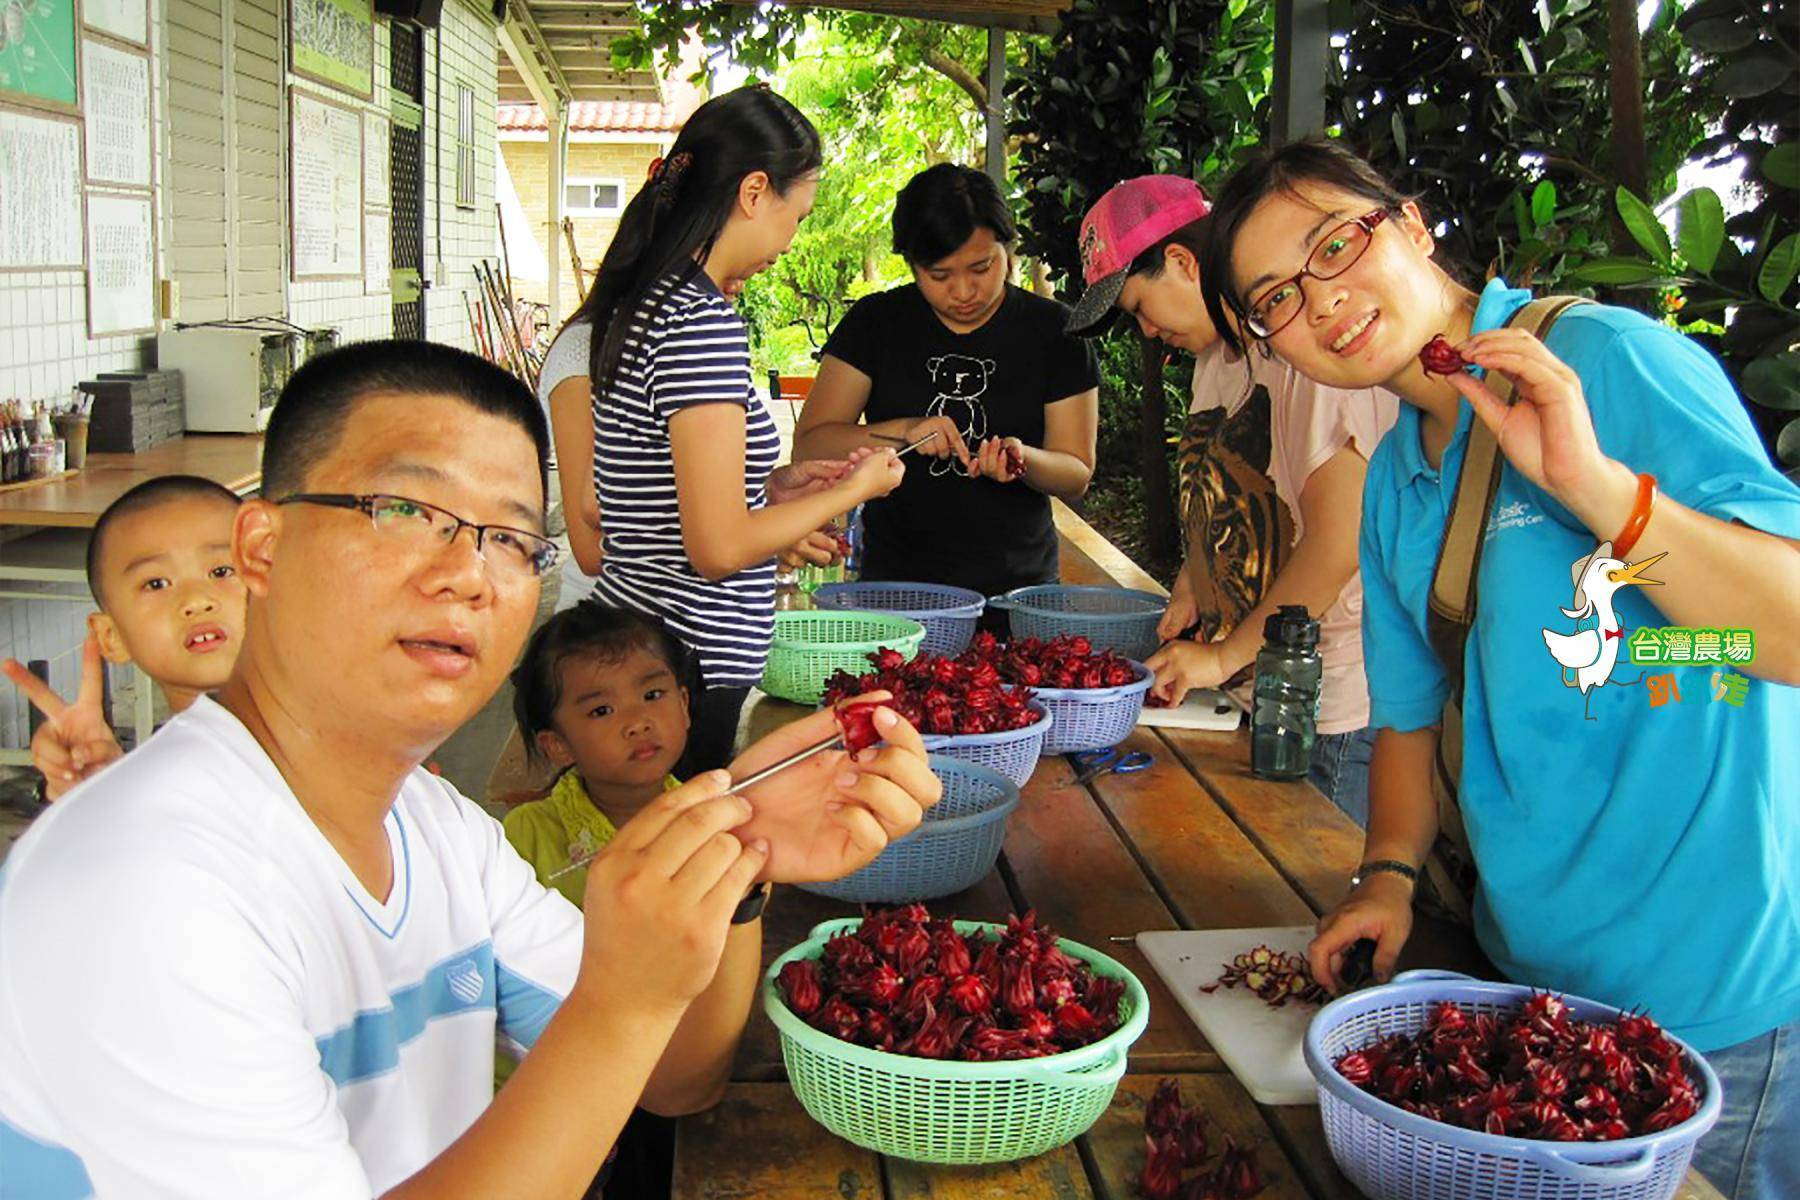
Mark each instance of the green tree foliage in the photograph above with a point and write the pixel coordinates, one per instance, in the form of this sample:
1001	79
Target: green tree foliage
1474	105
1132	88
884	113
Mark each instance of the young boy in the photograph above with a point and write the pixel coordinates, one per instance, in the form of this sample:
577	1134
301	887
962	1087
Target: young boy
159	566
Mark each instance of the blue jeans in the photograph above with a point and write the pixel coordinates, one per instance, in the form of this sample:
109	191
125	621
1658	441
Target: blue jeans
1340	769
1753	1153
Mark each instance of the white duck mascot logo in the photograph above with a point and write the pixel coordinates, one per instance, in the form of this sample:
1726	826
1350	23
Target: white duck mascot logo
1587	655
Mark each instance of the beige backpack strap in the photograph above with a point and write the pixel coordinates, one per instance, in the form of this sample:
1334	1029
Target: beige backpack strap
1449	875
1451	608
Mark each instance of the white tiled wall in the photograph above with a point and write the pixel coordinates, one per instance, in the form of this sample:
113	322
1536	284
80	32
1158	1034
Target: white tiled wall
45	350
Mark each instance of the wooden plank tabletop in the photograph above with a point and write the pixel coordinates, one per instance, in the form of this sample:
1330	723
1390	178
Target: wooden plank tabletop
233	460
1195	842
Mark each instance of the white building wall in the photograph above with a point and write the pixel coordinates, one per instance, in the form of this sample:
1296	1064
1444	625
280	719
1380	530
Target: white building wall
44	346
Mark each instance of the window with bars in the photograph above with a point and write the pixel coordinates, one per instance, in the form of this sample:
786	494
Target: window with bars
593	197
465	146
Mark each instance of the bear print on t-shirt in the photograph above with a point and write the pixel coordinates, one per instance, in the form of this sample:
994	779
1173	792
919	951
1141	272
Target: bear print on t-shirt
960	381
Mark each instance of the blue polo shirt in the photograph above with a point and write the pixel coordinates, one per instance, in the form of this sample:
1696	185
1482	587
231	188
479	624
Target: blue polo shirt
1649	857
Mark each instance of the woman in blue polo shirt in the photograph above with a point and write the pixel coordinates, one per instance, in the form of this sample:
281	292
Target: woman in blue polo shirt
1649	856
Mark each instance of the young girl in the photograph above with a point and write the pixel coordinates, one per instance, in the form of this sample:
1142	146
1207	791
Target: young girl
1271	476
649	384
1647	859
962	353
601	695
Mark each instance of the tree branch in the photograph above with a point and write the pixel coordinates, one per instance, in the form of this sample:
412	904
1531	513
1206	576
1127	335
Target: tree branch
956	73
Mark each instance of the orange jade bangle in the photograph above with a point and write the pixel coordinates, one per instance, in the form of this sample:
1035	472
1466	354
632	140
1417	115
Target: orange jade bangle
1640	516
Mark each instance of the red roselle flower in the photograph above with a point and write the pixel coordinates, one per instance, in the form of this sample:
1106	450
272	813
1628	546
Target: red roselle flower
1237	1176
1015	462
1191	1137
1037	1024
1017	992
799	983
971	995
1162	1113
952	954
856	719
879	985
912	952
877	1029
1076	1024
1439	357
1161	1176
839	1018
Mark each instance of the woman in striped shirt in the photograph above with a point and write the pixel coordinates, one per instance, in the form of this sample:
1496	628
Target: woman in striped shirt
650	384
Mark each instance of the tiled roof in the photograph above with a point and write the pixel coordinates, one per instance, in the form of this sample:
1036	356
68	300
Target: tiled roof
595	116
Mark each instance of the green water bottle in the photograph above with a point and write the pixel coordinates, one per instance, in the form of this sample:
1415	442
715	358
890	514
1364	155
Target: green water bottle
1284	714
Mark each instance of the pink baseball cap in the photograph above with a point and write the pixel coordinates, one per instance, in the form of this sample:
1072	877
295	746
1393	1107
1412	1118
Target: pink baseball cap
1129	219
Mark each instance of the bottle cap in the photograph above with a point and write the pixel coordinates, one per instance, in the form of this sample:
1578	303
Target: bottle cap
1290	625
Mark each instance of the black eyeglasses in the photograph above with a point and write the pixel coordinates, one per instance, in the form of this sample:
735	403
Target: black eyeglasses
1277	307
428	528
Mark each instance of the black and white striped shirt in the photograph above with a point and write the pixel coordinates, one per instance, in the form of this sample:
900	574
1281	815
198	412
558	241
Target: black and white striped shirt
688	347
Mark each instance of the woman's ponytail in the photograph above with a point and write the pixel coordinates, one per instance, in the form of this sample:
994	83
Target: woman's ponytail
677	216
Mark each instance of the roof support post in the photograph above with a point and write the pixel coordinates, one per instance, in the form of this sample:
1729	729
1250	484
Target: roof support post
1302	56
996	105
557	166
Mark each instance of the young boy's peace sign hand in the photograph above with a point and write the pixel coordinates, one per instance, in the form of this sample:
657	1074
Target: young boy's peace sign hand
829	815
75	741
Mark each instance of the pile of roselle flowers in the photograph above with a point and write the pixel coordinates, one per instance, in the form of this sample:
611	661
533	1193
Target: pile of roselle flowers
1175	1141
1538	1073
907	984
939	695
1065	661
986	688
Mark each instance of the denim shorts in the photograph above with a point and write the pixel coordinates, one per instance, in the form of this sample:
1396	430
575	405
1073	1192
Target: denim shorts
1753	1153
1340	769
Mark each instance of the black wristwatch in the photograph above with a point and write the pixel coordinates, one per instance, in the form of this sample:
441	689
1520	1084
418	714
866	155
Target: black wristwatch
752	905
1410	874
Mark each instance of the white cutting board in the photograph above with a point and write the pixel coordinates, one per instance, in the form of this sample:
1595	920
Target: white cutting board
1261	1045
1202	709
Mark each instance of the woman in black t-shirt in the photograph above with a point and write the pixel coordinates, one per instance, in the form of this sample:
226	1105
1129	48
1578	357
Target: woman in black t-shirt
963	353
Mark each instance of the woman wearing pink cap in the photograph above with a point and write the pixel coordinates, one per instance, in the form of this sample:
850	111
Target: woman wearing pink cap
1271	476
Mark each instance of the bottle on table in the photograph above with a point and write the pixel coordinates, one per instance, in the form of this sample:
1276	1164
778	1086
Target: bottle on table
1285	708
8	446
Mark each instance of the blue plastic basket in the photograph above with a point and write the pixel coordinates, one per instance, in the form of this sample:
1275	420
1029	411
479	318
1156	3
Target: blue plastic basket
949	614
1121	619
1014	752
953	849
1391	1154
1093	718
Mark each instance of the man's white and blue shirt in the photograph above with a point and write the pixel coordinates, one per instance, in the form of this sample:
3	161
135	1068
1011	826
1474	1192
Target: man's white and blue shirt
198	998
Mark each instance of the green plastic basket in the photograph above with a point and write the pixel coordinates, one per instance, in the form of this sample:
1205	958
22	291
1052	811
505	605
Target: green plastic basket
952	1112
810	645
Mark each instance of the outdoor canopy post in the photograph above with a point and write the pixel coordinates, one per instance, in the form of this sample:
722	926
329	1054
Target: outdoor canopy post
996	105
1302	55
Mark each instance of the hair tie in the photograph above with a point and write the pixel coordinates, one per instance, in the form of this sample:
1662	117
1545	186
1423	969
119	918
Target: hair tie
653	174
668	177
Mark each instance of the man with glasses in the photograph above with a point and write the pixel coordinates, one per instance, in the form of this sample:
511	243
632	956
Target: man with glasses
266	954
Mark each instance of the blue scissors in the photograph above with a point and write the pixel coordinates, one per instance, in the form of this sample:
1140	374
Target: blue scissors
1091	764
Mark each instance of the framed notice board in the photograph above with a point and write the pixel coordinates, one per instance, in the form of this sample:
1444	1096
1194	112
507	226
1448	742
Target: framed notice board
325	161
333	42
37	53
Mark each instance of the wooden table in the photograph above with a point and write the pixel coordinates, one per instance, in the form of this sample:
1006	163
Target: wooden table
1195	842
234	460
